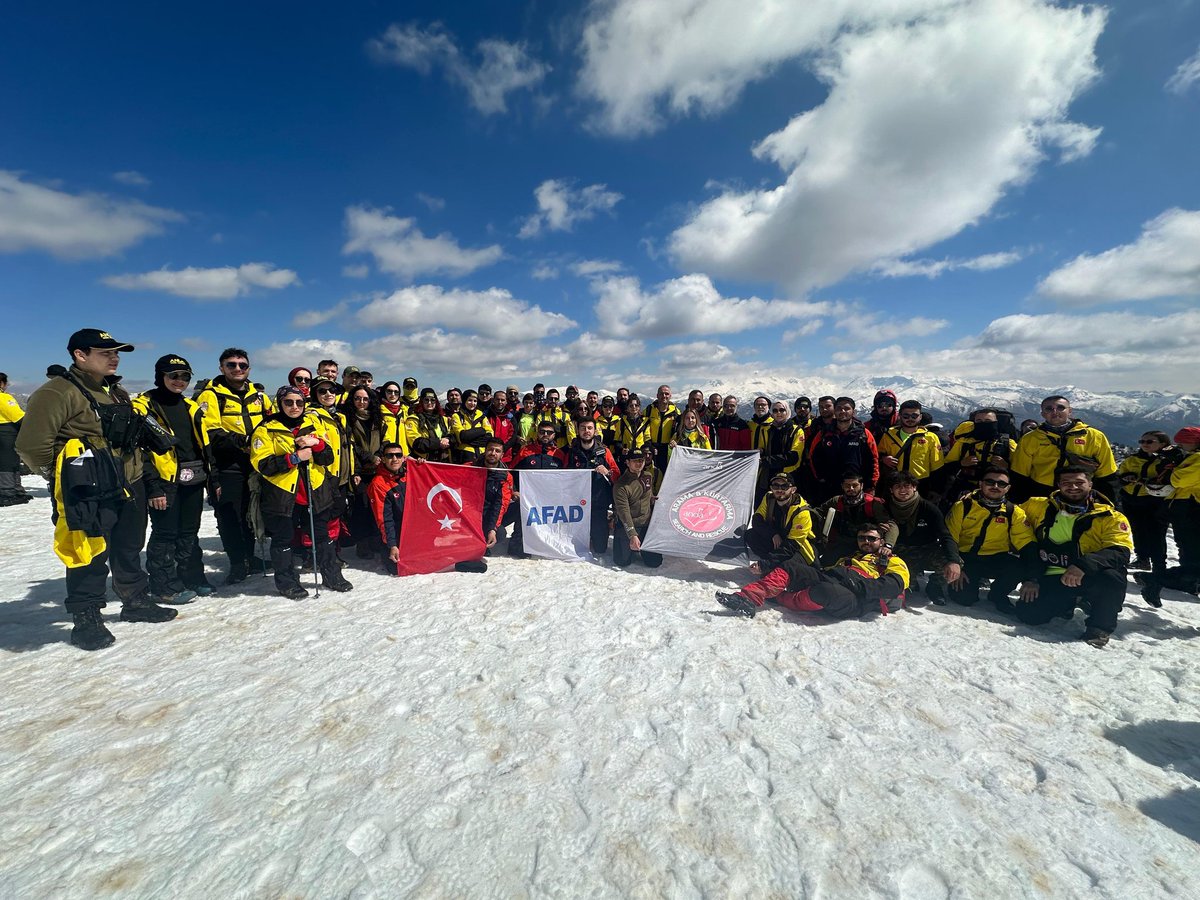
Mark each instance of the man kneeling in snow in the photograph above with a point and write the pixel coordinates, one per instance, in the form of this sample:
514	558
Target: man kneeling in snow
845	590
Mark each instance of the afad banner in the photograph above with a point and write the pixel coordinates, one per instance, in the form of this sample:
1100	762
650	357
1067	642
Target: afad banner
443	517
556	513
704	505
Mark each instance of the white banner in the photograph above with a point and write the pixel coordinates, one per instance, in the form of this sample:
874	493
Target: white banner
556	511
704	505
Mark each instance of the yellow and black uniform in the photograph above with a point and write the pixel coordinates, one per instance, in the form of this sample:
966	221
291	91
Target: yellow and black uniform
845	590
11	491
608	429
1184	511
1042	452
228	419
469	432
291	490
988	535
425	432
790	522
660	428
560	419
918	453
782	453
394	430
631	434
970	454
695	438
332	428
1092	537
1145	499
760	429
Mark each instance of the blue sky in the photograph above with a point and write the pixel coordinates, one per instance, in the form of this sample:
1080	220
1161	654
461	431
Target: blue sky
617	191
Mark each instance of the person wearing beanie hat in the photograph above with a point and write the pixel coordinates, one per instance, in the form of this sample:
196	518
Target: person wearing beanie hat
883	414
298	490
1183	461
69	435
300	377
175	487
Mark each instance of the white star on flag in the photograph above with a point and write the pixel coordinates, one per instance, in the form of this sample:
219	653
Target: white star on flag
447	523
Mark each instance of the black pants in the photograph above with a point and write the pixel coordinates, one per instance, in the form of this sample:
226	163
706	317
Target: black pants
1185	521
923	558
623	556
1148	520
760	542
88	585
173	558
1005	572
1104	592
281	529
237	537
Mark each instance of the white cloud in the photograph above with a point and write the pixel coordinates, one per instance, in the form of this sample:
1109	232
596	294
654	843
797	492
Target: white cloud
287	355
928	122
436	204
1163	262
871	328
1109	350
808	329
589	268
222	283
131	178
688	305
494	313
314	317
501	68
560	206
589	351
1186	76
696	355
72	226
932	268
400	248
544	272
362	270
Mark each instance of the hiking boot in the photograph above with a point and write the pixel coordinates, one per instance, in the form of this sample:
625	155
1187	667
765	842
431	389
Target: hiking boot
238	572
204	589
738	604
1140	565
143	609
1151	590
1096	638
335	581
90	632
179	598
294	593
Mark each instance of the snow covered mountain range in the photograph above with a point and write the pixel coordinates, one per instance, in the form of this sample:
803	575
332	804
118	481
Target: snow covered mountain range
1122	415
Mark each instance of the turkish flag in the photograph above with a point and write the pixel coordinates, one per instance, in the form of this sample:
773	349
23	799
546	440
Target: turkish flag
443	517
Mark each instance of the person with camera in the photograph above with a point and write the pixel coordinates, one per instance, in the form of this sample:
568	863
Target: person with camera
232	407
82	434
175	482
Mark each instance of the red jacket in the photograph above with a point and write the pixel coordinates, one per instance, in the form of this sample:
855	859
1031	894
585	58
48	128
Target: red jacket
377	491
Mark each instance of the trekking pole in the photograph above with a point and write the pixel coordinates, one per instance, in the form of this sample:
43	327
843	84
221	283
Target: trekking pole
312	526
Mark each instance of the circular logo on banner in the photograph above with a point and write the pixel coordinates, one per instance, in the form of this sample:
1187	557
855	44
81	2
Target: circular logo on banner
702	514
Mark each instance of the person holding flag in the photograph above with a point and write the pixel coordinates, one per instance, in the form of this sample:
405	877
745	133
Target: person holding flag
298	490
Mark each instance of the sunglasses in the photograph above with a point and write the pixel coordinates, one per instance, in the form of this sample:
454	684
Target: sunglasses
863	539
1148	441
910	415
548	433
992	482
179	376
393	456
241	366
391	391
292	402
362	399
326	390
1060	407
300	379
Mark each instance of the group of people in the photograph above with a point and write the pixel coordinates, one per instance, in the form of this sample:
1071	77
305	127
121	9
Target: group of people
850	510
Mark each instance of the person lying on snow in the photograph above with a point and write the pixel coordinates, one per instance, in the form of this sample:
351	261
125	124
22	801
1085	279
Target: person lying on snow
845	590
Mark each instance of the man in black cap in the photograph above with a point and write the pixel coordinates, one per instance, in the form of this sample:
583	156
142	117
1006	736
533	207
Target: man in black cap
81	432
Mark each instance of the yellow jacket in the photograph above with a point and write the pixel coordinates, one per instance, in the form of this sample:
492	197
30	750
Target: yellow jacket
469	448
1008	531
229	419
662	424
88	493
166	464
608	429
695	438
1186	477
1143	469
271	445
394	427
10	410
561	418
1099	530
1040	453
331	426
759	432
793	523
919	454
631	436
864	564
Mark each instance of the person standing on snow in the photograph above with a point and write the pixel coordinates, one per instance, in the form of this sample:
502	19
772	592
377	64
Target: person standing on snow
12	493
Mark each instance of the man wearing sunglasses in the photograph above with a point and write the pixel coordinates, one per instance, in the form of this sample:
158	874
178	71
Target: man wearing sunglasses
989	530
1061	440
232	407
909	447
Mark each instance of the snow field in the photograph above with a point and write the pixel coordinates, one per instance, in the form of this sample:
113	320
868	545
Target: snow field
559	730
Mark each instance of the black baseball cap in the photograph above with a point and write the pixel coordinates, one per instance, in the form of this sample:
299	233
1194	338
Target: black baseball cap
635	453
172	362
95	339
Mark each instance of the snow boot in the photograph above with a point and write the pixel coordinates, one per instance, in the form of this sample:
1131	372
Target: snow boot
738	604
1140	565
238	572
143	609
90	632
1096	637
203	589
179	598
294	593
1151	590
333	579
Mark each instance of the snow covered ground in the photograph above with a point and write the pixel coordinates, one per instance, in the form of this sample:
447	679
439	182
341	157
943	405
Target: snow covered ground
558	730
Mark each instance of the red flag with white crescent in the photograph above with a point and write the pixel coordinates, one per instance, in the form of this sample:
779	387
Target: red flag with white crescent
443	517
